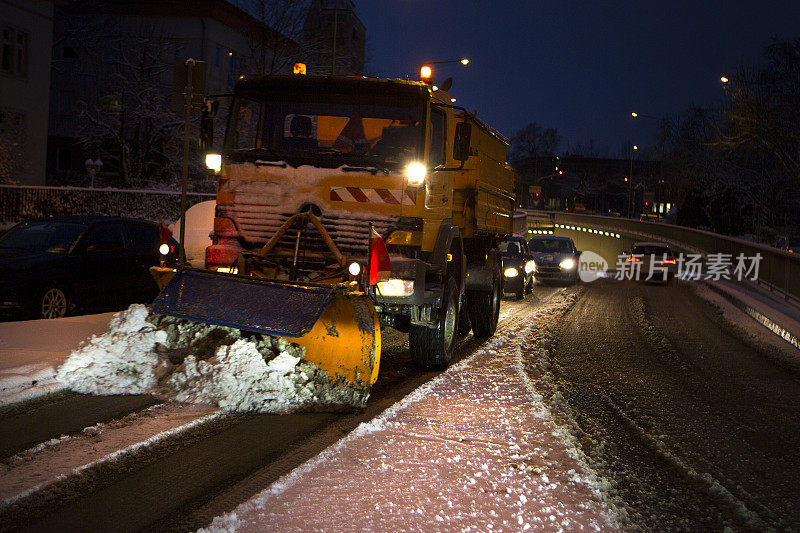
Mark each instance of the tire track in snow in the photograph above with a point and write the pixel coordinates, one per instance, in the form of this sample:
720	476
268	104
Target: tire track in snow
66	481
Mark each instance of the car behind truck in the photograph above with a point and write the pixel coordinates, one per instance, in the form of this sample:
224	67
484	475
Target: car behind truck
348	203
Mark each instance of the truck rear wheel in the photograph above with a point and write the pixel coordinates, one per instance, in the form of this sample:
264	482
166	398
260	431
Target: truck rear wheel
484	308
432	348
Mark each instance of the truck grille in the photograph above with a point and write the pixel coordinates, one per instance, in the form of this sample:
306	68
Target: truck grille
350	234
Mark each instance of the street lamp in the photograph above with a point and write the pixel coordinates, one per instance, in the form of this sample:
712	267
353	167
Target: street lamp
724	79
93	167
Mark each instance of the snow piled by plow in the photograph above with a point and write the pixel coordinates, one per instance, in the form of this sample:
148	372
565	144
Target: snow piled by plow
187	361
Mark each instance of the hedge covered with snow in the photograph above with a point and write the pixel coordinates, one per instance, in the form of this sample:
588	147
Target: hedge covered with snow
19	203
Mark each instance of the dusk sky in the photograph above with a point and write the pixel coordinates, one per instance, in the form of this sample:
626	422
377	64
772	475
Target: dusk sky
580	66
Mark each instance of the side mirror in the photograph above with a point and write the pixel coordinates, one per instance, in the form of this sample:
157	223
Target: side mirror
461	141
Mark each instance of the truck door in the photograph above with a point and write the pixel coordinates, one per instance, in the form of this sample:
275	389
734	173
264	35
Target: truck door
439	194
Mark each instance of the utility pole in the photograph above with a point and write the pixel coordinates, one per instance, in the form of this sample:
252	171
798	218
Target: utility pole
335	29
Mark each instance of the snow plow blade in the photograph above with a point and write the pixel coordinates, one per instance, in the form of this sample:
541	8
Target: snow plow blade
339	330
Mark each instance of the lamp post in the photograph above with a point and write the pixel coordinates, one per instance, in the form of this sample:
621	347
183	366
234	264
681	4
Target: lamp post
93	167
629	179
663	123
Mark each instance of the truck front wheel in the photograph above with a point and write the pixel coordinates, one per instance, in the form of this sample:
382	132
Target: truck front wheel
484	307
432	348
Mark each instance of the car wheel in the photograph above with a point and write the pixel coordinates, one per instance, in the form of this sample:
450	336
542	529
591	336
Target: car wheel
53	303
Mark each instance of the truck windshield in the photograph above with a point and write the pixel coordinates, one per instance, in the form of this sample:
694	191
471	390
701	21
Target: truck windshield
383	133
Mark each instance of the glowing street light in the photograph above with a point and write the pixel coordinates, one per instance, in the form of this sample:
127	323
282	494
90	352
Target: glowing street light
723	79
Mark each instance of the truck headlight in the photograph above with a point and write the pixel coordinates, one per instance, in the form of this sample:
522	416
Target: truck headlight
511	272
415	174
214	162
530	266
396	287
567	264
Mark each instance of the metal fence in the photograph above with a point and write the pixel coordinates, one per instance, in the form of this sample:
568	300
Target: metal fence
19	203
778	270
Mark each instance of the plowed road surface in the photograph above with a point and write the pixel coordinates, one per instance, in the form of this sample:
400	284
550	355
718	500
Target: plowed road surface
692	423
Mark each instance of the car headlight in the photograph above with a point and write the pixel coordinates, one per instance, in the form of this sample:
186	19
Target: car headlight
396	287
567	264
164	249
415	174
511	272
530	266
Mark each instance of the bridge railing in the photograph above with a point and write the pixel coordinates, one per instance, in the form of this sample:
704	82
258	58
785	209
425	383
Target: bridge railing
778	270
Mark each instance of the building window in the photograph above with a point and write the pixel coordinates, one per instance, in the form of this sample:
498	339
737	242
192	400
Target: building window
14	55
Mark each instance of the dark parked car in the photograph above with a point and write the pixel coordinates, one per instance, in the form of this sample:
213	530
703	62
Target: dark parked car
517	266
51	267
556	259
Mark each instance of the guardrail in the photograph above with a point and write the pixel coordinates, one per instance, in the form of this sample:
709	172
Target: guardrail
778	270
21	202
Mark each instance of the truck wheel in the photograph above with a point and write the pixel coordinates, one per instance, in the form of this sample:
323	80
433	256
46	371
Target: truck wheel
463	319
432	348
484	308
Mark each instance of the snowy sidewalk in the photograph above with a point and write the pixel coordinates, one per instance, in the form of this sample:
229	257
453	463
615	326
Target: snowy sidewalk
32	350
474	449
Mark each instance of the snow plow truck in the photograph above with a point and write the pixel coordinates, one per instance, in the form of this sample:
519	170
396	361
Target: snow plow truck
348	204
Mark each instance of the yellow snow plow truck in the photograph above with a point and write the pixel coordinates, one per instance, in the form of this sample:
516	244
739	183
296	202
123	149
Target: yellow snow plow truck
347	204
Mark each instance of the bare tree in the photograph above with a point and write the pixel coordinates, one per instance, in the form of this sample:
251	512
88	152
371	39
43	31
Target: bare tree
129	121
280	37
534	141
764	108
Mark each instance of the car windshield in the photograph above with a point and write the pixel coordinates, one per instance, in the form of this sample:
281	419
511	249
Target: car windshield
651	249
53	237
550	246
328	126
511	248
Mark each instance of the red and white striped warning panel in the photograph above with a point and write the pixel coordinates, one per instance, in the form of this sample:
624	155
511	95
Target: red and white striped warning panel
373	196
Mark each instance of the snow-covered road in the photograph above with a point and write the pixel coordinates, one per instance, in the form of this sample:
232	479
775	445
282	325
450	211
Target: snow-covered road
607	405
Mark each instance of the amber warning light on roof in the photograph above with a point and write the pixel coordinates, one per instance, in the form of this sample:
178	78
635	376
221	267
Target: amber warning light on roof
299	68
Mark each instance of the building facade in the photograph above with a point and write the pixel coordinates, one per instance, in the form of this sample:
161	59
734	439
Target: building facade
112	71
335	38
26	28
